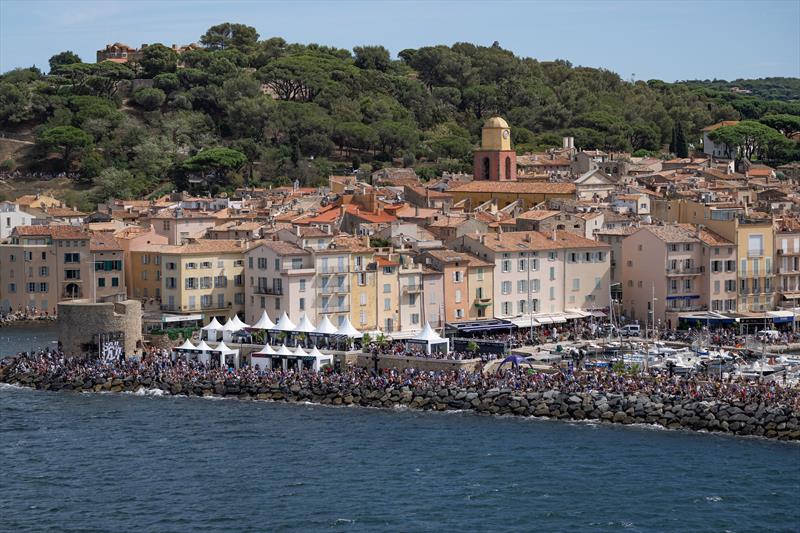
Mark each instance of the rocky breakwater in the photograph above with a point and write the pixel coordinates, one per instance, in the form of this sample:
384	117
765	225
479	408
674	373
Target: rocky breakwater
738	418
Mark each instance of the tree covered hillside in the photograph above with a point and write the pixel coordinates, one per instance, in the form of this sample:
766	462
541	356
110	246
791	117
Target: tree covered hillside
245	110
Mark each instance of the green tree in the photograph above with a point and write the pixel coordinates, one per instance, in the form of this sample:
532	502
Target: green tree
784	123
67	139
149	98
158	59
219	162
167	82
64	58
372	57
15	103
749	139
230	35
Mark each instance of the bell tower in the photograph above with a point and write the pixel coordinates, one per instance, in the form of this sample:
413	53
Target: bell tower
495	160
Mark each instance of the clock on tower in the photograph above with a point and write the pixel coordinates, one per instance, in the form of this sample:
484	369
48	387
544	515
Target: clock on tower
495	160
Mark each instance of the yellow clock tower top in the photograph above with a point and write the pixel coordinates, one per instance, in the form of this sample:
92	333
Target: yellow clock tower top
496	135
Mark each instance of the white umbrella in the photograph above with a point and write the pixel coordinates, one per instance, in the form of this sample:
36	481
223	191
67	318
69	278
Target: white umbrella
264	322
284	324
305	325
348	330
325	327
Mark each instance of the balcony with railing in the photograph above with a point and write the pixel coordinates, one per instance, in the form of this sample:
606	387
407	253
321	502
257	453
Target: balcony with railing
684	271
334	289
482	302
335	308
755	252
412	289
267	289
197	307
332	269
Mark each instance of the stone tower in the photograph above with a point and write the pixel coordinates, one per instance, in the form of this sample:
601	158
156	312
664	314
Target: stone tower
495	160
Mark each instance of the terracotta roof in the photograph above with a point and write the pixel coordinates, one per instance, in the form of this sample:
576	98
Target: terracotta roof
63	212
283	248
451	256
537	214
720	124
56	232
534	240
713	239
383	262
373	217
208	246
673	233
515	187
103	241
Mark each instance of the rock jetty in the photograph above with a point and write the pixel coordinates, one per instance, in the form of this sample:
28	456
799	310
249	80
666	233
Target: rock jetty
773	421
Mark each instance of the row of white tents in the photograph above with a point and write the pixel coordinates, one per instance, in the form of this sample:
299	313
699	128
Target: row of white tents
214	329
204	352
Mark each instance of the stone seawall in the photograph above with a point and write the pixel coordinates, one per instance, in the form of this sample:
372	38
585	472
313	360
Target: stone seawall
738	418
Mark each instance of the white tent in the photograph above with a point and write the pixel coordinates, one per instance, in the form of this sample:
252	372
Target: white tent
223	351
187	345
284	324
264	322
347	330
238	323
203	352
212	328
283	350
320	359
325	327
300	352
266	350
305	325
430	338
203	347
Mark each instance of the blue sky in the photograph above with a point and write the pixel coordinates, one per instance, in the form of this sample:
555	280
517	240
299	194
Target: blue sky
670	40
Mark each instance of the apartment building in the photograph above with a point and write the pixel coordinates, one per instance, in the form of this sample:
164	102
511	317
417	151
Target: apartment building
280	276
109	268
674	269
12	216
141	251
179	225
363	289
206	276
399	283
787	257
543	276
333	276
43	265
467	284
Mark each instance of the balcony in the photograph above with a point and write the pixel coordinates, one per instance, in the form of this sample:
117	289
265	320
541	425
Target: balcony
194	308
305	271
265	289
412	289
693	271
755	252
335	269
334	289
482	302
334	308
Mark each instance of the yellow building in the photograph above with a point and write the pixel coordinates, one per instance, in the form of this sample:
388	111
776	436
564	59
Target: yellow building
144	274
755	244
204	276
363	290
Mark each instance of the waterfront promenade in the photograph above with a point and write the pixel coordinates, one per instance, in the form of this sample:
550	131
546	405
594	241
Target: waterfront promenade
731	406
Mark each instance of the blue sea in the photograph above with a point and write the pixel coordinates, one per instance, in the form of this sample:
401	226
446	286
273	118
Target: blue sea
128	462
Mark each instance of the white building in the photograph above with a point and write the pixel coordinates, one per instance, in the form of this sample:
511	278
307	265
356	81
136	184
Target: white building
10	217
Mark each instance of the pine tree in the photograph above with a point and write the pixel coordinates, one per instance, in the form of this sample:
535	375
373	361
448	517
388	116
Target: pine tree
681	148
672	142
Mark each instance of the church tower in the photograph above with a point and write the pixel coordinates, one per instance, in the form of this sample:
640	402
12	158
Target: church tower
495	160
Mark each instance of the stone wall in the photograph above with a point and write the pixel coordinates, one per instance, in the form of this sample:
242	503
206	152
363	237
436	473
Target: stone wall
80	320
734	417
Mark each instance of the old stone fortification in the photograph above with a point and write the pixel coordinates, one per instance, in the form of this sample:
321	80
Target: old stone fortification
79	320
738	418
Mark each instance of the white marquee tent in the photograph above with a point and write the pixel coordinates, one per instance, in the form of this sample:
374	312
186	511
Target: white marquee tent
432	340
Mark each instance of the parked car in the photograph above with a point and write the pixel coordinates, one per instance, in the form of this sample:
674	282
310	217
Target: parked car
630	330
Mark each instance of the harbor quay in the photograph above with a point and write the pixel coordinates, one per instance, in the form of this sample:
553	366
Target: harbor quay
734	406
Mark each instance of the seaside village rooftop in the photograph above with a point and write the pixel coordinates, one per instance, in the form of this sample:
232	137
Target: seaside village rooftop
525	247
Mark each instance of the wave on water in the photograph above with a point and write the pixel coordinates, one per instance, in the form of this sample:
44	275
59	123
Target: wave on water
12	386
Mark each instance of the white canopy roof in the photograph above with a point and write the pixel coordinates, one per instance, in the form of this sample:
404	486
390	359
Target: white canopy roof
264	322
283	350
230	325
319	355
187	345
428	335
266	350
300	351
348	330
222	347
325	327
214	325
203	346
305	325
238	323
284	324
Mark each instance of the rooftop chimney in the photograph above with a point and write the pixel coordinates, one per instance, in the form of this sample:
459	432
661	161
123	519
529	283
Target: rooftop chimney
554	234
